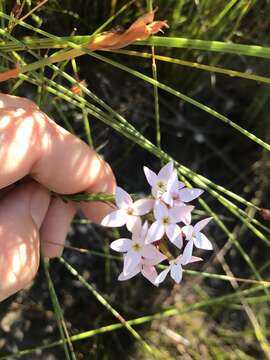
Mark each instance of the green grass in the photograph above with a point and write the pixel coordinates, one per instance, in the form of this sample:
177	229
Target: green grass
205	39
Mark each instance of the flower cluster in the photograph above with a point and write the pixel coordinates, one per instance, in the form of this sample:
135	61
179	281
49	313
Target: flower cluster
156	222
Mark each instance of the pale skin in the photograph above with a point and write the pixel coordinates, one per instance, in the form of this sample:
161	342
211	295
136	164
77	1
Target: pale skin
34	146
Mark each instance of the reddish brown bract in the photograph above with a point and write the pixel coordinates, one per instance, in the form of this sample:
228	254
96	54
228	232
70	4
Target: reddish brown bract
141	29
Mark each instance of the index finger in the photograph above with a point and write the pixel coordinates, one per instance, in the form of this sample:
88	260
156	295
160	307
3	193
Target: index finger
31	143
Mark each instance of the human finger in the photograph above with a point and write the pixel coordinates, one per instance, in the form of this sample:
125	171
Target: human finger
32	143
55	227
22	211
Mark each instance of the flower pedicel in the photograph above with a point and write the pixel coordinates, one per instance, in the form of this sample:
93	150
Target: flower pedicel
148	244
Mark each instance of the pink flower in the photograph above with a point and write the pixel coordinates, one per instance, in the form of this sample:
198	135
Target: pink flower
135	249
175	269
128	212
159	181
146	267
166	223
176	194
195	237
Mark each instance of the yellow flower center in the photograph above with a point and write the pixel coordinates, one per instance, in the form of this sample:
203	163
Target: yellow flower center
130	211
136	247
166	220
161	185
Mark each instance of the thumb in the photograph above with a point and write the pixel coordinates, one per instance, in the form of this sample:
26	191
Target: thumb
22	211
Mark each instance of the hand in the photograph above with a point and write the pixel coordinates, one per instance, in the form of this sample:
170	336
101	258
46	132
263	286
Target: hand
33	145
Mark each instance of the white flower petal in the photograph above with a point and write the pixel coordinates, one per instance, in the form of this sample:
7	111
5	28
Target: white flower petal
187	253
151	177
201	224
157	202
156	192
160	211
115	219
178	242
158	259
178	213
181	185
201	242
121	245
188	231
173	182
195	259
161	276
144	231
187	195
143	206
166	171
167	198
155	232
173	232
172	189
134	223
177	272
150	252
122	198
129	275
150	273
131	260
137	230
187	219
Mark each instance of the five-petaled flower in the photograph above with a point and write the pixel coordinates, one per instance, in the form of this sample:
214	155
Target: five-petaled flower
159	181
136	249
146	267
175	269
166	223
